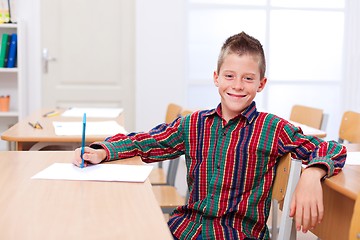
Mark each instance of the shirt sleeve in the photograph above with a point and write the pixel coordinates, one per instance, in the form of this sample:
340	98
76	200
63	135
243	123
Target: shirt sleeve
331	155
163	142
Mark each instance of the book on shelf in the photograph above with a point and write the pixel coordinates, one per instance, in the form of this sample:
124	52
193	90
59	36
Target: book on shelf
12	51
7	50
4	41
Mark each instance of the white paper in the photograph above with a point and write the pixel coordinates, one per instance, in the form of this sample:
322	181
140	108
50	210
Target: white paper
99	172
93	112
103	128
352	158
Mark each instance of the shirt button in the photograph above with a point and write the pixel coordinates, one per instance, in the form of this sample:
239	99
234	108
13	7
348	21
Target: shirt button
224	134
212	197
218	166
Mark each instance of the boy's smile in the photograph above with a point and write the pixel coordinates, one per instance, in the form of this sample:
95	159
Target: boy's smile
238	82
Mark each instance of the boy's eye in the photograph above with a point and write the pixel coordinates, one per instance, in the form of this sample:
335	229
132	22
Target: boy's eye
229	76
248	78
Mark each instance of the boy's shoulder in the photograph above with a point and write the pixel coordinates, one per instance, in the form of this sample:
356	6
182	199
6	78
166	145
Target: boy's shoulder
266	116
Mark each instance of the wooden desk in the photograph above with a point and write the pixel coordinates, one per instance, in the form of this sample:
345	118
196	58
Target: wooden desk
57	209
28	138
340	193
310	130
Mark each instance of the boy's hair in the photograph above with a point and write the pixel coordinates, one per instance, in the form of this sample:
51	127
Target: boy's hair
243	44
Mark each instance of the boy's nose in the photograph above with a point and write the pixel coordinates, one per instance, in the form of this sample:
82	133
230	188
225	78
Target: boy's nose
238	84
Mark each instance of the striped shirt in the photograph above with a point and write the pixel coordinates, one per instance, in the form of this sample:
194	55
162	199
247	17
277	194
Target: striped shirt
230	167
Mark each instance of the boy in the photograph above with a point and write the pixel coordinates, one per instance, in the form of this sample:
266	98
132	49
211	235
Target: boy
231	155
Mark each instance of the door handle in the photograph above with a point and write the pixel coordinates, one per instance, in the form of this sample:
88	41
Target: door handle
46	59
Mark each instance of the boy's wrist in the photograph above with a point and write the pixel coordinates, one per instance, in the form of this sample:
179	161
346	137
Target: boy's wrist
316	170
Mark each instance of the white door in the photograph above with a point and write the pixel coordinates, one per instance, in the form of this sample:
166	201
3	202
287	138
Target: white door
88	54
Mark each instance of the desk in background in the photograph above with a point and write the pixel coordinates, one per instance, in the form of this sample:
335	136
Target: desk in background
28	138
310	130
62	209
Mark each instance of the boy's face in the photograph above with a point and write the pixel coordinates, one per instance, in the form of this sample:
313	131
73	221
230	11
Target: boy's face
238	82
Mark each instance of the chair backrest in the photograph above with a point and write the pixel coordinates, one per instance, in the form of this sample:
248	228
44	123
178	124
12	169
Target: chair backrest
350	127
185	112
287	177
173	111
355	221
312	117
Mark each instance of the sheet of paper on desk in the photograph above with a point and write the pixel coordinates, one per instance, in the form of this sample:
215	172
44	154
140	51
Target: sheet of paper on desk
93	112
100	172
352	158
102	128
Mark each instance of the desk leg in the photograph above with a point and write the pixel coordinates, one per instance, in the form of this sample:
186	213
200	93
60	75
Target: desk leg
337	216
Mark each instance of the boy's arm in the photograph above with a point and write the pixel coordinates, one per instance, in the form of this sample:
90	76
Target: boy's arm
307	202
323	159
163	142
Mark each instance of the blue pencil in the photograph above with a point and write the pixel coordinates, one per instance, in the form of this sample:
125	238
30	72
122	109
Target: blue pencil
83	141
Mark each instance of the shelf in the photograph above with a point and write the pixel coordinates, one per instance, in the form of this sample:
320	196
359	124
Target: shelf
9	70
8	25
9	114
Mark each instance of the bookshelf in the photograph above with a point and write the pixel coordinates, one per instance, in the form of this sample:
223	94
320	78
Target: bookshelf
12	82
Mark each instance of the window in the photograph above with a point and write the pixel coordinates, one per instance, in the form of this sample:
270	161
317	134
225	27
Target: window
303	43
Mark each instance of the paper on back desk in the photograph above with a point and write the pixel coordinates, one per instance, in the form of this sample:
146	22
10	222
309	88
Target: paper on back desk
100	172
102	128
93	112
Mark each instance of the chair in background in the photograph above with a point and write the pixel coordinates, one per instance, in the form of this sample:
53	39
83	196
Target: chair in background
312	117
158	175
350	127
167	195
355	221
287	177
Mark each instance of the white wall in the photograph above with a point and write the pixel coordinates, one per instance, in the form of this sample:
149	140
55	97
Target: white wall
29	12
160	59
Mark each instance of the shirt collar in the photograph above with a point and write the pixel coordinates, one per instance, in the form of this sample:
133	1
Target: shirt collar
248	113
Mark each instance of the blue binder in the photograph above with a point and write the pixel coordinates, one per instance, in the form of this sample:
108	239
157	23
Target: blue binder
12	51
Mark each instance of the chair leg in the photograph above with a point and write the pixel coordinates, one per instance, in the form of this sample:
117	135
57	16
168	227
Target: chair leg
274	219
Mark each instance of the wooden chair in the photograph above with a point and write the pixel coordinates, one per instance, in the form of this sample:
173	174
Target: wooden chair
312	117
167	195
350	127
158	175
287	177
355	221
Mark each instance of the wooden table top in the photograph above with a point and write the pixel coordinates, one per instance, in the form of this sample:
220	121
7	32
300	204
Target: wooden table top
62	209
23	132
347	182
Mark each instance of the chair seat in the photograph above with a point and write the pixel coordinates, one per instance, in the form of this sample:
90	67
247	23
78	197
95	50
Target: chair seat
168	196
157	176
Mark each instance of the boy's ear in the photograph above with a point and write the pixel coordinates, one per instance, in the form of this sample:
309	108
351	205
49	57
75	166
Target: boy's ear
216	79
262	84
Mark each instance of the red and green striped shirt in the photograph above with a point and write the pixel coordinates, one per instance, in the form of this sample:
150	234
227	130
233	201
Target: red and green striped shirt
230	167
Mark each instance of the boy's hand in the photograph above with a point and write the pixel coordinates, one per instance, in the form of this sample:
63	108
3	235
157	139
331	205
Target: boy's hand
93	156
307	202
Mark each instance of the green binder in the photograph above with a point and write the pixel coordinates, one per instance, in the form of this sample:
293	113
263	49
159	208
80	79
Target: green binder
4	41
